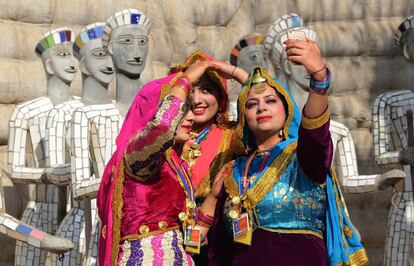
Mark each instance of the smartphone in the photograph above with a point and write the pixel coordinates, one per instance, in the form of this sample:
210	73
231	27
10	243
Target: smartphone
296	35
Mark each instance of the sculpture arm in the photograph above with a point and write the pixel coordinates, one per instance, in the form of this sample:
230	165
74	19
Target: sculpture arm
84	183
58	172
385	131
19	128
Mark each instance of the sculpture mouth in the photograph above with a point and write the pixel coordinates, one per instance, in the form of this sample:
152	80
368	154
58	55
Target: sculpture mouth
135	62
107	70
71	70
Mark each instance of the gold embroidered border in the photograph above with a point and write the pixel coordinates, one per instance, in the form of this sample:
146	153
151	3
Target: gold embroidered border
313	123
271	175
359	258
117	211
143	154
153	233
265	184
338	205
165	89
293	231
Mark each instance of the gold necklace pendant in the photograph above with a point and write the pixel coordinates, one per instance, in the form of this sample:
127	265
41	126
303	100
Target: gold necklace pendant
195	151
195	146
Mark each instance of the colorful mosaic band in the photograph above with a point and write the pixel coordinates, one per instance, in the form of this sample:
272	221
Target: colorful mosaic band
246	40
90	32
54	37
125	17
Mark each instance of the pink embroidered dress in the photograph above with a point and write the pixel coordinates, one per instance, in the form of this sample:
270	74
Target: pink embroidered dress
140	197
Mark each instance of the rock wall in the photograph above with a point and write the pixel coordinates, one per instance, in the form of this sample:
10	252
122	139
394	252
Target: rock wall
355	36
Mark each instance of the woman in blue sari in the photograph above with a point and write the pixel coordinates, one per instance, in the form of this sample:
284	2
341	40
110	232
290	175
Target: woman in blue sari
280	204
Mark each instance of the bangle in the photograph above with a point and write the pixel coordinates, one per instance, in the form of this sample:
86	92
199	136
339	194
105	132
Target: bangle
234	70
321	86
321	92
185	76
204	219
186	90
183	82
317	71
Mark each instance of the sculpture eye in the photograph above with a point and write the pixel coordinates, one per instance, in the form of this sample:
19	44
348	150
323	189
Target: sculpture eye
254	56
64	53
143	41
125	40
99	53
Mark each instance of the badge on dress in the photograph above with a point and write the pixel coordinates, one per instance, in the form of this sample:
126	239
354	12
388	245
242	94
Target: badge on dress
242	231
192	239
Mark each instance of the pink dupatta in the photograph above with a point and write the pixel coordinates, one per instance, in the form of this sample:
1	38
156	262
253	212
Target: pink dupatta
141	111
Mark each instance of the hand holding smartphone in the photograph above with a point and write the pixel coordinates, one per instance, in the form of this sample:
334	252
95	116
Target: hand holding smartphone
296	35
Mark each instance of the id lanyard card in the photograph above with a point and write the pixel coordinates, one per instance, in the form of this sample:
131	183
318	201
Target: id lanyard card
192	239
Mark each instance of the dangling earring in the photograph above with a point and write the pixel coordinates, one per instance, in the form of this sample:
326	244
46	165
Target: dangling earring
280	134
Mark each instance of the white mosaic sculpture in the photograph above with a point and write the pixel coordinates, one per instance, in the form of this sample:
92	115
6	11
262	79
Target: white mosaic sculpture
95	127
346	165
97	73
298	81
390	137
391	143
28	135
15	229
294	75
58	140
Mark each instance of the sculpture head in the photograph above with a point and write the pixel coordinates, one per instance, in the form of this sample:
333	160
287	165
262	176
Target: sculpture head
94	61
55	50
404	38
249	52
126	39
274	46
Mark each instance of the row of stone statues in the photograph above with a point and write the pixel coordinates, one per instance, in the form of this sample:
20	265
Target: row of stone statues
59	144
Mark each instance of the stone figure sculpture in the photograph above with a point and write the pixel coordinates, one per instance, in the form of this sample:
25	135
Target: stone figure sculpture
27	136
249	53
18	230
393	150
97	72
297	80
126	38
246	54
95	127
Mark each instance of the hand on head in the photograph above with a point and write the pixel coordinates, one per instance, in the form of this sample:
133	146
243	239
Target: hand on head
228	71
306	53
196	70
